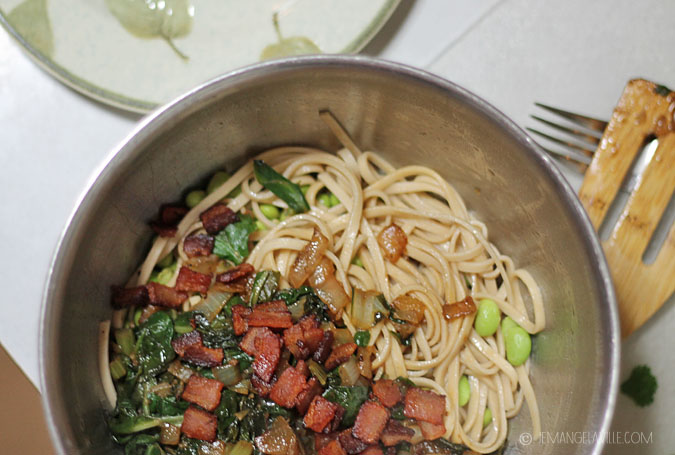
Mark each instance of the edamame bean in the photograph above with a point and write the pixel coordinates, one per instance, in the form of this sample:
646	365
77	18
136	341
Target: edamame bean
194	197
357	261
324	199
286	213
487	417
260	226
166	261
487	318
507	323
137	316
464	391
334	200
216	181
165	275
518	345
304	189
270	211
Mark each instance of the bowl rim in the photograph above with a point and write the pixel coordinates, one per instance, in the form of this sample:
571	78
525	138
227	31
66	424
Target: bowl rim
194	99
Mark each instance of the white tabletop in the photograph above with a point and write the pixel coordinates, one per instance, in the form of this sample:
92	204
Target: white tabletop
574	54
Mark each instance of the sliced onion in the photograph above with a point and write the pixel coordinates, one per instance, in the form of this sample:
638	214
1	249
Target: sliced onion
342	336
317	371
204	264
365	307
227	374
328	287
278	440
408	309
349	372
212	304
308	258
179	370
170	434
241	448
393	241
365	361
297	309
163	389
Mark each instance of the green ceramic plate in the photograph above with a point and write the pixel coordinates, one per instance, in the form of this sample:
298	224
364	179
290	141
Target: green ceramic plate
137	54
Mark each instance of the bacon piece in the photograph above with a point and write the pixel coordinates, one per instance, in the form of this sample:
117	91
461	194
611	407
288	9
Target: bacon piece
424	405
306	396
180	343
192	281
387	392
165	296
332	448
171	214
324	348
247	343
203	391
216	218
272	314
239	321
125	297
340	354
320	414
294	341
322	439
202	356
370	422
235	273
373	450
351	444
287	388
199	424
198	245
394	433
431	431
263	388
393	241
302	368
268	350
163	230
459	309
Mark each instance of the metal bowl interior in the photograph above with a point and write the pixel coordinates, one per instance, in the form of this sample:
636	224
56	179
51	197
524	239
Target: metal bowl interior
409	116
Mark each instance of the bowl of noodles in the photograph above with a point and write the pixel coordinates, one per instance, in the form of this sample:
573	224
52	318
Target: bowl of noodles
330	255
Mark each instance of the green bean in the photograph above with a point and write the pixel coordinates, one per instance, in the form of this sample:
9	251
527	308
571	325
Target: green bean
216	181
464	391
487	318
324	199
487	417
270	211
194	197
518	345
260	226
334	200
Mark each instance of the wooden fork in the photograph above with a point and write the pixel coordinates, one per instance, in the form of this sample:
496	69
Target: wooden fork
633	154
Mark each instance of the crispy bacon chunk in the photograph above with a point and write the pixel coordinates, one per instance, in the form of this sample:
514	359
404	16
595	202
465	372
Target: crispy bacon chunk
340	354
247	343
373	450
332	448
203	391
324	348
459	309
431	431
235	273
124	297
216	218
424	405
165	296
202	356
387	392
394	433
169	216
239	321
287	388
180	343
198	245
191	281
351	444
320	414
268	350
263	388
199	424
370	422
303	338
272	314
306	396
393	241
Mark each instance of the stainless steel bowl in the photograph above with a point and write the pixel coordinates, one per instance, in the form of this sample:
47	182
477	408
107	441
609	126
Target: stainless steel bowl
409	116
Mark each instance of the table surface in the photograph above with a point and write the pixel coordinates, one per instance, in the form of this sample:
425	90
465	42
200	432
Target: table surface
574	54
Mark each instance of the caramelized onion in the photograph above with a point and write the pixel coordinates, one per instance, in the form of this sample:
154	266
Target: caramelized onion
203	264
409	309
393	241
459	309
308	258
279	439
170	434
364	356
328	287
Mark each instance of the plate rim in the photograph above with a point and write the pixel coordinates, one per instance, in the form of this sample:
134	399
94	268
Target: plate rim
135	105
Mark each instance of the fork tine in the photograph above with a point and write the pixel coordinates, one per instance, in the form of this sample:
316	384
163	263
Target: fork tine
591	139
587	152
588	122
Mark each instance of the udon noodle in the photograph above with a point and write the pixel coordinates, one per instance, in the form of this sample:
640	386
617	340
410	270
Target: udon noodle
448	257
